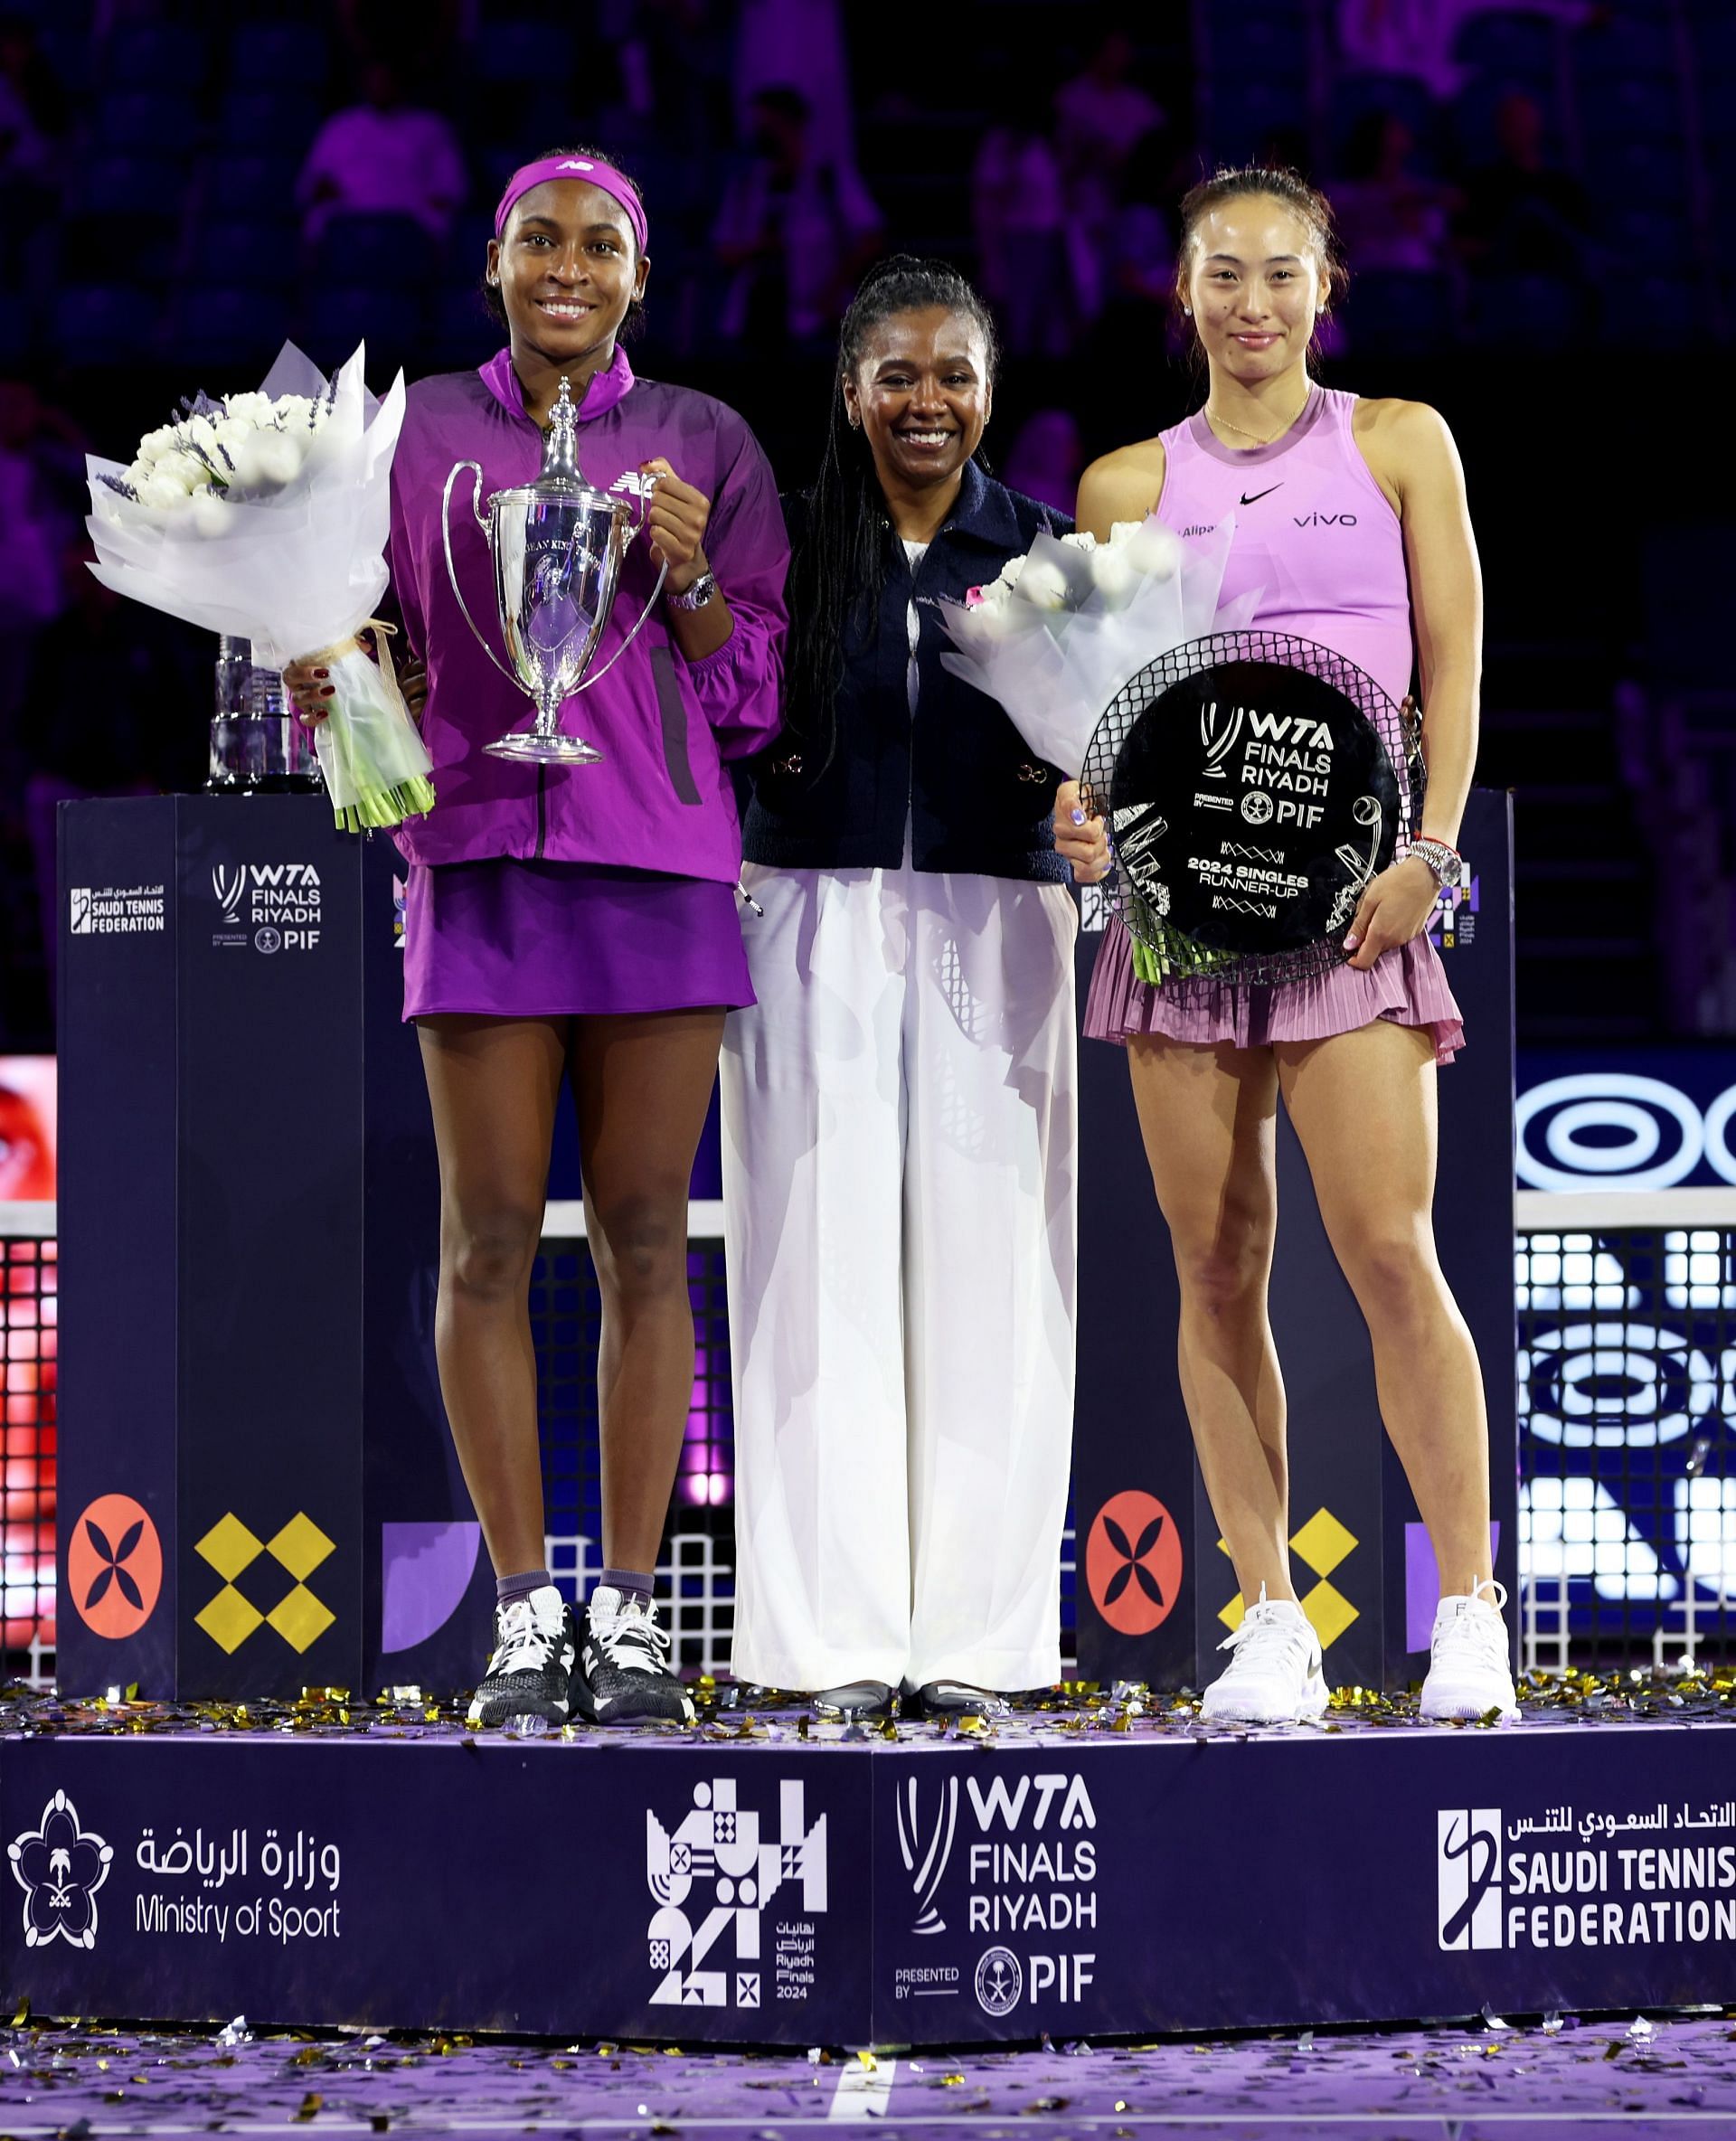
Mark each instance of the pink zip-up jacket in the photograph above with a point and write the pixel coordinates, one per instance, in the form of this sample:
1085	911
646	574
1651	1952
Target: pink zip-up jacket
661	799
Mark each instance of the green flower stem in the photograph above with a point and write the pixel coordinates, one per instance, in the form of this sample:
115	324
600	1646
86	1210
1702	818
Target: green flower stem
382	808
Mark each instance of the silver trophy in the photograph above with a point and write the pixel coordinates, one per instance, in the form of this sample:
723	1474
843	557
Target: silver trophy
557	545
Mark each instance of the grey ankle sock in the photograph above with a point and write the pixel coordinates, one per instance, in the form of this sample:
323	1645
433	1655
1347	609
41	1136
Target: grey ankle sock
508	1588
630	1583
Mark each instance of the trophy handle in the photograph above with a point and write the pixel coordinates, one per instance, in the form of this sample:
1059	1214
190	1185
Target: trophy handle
585	683
451	569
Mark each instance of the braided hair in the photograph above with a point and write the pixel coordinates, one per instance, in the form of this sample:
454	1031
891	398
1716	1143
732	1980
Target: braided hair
837	568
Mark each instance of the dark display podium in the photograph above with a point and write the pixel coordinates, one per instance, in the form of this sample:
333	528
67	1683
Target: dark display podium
256	1489
1363	1564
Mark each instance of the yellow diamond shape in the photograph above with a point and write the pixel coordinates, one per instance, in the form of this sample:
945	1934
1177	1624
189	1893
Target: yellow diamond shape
1231	1614
300	1619
1322	1541
1329	1612
301	1546
229	1546
230	1620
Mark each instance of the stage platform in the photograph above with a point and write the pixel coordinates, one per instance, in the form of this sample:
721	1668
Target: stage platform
1092	1867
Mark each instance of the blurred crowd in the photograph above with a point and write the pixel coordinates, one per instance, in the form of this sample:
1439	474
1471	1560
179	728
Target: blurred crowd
183	183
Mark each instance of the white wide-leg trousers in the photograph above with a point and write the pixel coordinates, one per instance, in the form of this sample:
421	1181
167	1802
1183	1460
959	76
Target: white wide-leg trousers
900	1148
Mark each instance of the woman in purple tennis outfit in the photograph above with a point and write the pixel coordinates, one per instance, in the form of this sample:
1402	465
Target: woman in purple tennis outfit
578	923
1350	518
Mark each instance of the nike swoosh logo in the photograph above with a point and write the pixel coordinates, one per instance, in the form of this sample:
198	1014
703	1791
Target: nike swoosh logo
1259	494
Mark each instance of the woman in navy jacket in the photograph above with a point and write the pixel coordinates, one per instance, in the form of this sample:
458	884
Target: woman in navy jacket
899	1106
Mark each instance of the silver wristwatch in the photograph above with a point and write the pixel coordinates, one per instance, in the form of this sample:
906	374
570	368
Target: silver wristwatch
697	596
1446	864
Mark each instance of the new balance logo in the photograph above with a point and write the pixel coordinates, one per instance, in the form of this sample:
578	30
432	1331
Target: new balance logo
1468	1877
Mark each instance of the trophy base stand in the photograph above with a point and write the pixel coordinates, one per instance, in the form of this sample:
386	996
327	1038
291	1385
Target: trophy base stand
530	748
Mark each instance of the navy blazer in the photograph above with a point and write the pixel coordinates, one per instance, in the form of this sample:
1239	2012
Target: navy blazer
976	797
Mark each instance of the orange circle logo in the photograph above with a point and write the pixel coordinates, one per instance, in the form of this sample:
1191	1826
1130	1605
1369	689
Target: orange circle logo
1132	1563
114	1566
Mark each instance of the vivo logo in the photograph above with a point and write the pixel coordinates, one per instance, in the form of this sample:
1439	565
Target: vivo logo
1324	520
1076	1810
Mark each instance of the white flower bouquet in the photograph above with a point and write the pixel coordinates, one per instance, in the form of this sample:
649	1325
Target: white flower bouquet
266	516
1056	636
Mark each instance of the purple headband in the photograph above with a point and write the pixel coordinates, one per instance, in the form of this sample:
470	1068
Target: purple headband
612	182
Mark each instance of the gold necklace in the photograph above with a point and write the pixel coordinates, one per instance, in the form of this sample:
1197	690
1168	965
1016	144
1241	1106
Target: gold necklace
1212	417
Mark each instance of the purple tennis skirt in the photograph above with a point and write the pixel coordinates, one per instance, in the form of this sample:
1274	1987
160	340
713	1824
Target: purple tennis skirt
503	939
1407	985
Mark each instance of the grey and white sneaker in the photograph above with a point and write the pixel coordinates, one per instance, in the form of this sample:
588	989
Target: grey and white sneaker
1470	1670
1275	1673
622	1676
526	1684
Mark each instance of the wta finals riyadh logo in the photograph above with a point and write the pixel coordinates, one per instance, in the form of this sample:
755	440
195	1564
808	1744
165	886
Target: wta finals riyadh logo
1218	738
60	1867
927	1848
229	882
712	1877
1469	1877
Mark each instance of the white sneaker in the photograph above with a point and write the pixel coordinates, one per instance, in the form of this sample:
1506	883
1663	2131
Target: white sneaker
1274	1675
1469	1672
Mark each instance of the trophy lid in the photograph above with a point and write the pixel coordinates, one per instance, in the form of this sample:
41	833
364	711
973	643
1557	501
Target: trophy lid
560	470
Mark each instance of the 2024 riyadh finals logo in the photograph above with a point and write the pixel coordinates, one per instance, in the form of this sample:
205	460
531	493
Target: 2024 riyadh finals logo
271	906
59	1866
1570	1878
714	1878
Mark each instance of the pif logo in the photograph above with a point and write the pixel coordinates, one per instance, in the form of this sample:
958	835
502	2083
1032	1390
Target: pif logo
1468	1877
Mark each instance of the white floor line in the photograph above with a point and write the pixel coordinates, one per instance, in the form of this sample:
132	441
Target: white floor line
1025	2122
863	2092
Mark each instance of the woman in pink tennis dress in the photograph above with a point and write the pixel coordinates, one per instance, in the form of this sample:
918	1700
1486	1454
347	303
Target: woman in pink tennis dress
1350	520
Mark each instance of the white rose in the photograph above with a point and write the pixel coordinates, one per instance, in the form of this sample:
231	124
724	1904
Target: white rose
183	469
164	492
1113	573
1010	571
251	409
1081	539
1124	531
1043	585
211	515
265	461
1155	550
199	430
156	443
276	458
138	474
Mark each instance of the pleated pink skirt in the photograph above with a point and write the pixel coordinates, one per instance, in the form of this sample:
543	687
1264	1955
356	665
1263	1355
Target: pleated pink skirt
1408	986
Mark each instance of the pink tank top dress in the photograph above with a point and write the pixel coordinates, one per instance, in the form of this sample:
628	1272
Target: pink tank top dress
1316	534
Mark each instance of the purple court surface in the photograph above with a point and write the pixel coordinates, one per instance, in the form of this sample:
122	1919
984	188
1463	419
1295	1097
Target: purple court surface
1490	2080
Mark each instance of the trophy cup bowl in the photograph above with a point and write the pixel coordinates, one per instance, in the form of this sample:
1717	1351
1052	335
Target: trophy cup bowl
557	546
